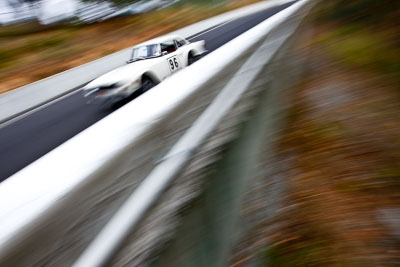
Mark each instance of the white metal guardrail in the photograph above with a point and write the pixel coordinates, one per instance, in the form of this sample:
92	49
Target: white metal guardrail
52	210
31	96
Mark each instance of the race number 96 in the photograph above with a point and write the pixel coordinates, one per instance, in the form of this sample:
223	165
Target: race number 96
173	63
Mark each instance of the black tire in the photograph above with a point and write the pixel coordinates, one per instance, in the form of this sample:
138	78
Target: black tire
147	84
191	59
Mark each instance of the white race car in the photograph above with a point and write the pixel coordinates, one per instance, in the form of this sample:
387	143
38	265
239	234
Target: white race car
150	63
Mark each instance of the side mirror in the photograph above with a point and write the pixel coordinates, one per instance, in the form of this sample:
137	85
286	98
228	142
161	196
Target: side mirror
164	53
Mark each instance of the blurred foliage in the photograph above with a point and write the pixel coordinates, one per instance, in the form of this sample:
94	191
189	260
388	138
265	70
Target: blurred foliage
362	11
18	3
313	250
181	2
115	2
338	159
202	2
359	47
366	33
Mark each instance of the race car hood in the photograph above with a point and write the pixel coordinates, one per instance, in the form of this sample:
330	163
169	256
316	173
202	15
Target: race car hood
127	73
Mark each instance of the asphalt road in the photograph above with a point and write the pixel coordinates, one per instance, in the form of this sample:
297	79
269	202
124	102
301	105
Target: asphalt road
27	139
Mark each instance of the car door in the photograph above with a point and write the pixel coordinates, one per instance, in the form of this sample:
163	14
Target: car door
182	50
171	57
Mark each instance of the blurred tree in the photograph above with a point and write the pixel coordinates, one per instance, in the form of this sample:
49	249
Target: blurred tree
128	2
18	3
367	32
361	11
18	6
203	2
118	3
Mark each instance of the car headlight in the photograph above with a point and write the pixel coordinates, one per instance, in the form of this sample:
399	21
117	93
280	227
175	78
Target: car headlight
133	84
126	86
136	82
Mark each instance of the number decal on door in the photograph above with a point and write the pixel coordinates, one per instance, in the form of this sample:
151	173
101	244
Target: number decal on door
173	63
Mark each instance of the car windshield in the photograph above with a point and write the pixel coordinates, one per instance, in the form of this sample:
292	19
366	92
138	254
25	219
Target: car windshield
146	51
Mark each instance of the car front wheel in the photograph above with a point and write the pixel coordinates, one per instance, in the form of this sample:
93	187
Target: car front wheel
147	84
190	59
